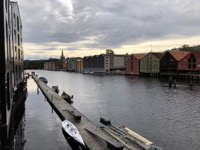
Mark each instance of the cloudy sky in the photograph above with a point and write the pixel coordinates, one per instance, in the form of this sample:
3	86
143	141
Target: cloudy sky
89	27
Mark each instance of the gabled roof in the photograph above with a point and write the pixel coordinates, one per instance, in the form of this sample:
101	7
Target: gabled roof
196	53
158	55
178	55
139	56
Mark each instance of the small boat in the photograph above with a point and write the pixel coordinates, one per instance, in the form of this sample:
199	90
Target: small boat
67	97
72	132
55	89
43	79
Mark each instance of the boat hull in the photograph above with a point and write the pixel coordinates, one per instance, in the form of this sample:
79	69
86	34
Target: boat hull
72	131
73	143
67	98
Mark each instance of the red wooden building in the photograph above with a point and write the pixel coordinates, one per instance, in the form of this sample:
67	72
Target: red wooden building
190	63
132	64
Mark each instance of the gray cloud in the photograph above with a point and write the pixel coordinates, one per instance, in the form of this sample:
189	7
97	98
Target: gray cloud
108	23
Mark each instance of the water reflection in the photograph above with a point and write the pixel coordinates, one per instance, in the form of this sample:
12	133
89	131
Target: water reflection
168	117
19	138
42	125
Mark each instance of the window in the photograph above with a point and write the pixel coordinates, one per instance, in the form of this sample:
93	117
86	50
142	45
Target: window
19	54
6	5
14	21
17	23
18	40
7	41
16	73
15	36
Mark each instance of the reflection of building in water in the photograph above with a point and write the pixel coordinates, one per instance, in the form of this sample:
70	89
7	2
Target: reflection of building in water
19	140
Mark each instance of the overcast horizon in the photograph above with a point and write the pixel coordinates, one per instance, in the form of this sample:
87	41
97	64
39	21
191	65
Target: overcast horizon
89	27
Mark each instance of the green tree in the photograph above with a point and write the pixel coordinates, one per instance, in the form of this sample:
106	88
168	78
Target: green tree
109	51
190	48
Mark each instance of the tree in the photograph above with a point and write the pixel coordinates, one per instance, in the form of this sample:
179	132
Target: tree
190	48
185	47
109	51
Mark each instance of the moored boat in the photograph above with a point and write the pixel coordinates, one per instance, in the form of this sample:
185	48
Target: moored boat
67	97
43	79
71	132
55	89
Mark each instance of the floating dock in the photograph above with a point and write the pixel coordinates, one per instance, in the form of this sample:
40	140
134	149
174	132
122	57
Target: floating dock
96	138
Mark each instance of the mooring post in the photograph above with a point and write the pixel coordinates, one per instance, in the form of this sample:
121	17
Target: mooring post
174	83
170	81
191	85
37	90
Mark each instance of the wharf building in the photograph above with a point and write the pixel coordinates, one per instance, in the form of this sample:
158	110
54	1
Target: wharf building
70	64
181	64
132	64
104	64
150	64
11	70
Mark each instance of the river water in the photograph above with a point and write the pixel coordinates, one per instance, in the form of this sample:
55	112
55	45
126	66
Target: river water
168	117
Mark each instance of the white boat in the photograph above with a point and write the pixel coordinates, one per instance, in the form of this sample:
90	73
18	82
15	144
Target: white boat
72	131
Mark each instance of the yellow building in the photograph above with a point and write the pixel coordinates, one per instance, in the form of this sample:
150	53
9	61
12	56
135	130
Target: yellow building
150	64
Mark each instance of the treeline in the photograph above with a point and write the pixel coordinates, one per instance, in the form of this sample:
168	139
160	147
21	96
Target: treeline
37	64
190	48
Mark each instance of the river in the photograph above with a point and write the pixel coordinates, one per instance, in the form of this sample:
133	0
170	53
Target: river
170	118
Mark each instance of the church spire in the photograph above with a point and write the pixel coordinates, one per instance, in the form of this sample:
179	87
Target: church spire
62	57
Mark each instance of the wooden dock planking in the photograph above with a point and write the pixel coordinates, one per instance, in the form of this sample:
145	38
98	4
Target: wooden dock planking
61	107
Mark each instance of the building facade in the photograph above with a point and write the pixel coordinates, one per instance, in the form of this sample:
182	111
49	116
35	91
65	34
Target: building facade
94	63
190	63
170	61
132	64
16	45
11	70
104	64
5	70
150	64
79	65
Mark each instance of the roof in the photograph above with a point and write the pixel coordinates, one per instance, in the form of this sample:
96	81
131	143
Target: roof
178	55
196	53
139	56
158	55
